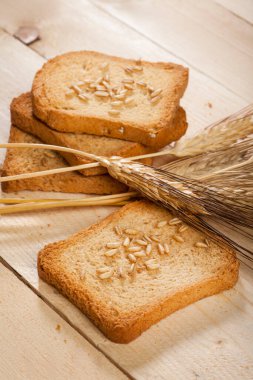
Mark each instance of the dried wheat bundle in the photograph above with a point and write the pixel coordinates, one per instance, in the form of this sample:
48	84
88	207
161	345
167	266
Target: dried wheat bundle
215	184
225	193
220	134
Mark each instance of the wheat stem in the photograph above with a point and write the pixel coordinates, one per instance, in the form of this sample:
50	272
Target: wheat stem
110	200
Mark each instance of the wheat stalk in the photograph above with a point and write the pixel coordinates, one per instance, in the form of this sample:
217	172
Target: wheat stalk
190	199
32	205
218	135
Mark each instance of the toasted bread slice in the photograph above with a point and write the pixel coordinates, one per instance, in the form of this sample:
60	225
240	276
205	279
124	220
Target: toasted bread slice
98	94
22	117
124	296
28	160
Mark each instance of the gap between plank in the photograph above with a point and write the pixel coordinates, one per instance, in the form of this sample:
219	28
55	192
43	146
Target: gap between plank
233	13
165	49
64	317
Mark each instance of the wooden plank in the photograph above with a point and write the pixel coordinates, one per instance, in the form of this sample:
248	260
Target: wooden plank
242	8
204	35
36	343
172	347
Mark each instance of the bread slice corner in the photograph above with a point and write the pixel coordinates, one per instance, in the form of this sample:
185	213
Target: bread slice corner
18	161
124	307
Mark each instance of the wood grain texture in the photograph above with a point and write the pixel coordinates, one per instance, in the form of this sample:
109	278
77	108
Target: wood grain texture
204	35
40	343
242	8
209	340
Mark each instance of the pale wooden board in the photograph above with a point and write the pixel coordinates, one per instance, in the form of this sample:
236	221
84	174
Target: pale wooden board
38	344
172	347
65	26
201	33
242	8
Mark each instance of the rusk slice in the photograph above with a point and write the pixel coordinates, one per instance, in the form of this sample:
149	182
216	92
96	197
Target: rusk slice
18	161
23	118
98	94
124	295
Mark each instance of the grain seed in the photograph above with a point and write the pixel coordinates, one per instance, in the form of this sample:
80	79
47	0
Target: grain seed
146	237
113	245
70	93
155	238
152	264
132	258
134	248
118	231
107	78
77	89
129	69
162	223
152	135
155	99
166	248
137	68
200	244
142	84
120	96
161	249
99	80
100	88
83	97
128	86
141	242
127	81
150	89
103	269
140	254
121	272
148	249
121	130
174	221
131	231
106	85
178	238
110	253
156	93
131	269
129	100
88	81
126	242
106	275
117	103
114	112
102	94
49	154
207	242
183	228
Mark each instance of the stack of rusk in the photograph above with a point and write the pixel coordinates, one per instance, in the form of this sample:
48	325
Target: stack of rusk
141	263
99	104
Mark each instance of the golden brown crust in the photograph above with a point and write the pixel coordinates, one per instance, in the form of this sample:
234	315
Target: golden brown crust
22	117
74	121
70	182
126	326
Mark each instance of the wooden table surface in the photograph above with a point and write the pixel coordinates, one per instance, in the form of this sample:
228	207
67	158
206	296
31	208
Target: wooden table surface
42	335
